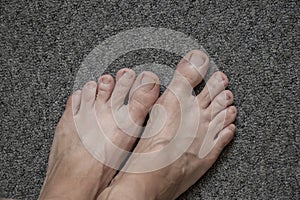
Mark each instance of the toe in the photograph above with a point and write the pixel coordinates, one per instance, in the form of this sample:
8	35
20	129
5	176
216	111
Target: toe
222	140
121	72
190	71
105	87
222	119
125	79
73	104
143	95
88	95
220	102
215	85
76	99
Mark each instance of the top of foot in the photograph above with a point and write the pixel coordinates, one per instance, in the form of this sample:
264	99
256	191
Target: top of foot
73	154
204	123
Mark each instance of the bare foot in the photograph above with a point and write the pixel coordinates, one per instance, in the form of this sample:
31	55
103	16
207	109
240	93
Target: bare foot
205	121
73	172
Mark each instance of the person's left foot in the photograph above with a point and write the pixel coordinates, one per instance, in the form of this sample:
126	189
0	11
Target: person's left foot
73	172
187	133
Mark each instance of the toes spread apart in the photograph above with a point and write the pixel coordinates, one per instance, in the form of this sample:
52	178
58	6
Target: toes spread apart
190	71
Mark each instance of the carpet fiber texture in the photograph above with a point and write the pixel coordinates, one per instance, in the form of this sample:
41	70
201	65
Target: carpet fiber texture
256	43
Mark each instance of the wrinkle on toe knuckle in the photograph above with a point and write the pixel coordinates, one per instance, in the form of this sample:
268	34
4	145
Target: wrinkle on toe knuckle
88	98
204	101
220	103
139	104
228	117
201	105
208	112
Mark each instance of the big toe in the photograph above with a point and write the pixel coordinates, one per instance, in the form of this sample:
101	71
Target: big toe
190	71
143	95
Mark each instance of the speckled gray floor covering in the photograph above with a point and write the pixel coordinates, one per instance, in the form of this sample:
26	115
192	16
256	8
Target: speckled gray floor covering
256	43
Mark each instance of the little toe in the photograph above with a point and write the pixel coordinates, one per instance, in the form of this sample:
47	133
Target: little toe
222	119
125	79
88	95
143	95
220	102
106	85
222	140
214	86
190	71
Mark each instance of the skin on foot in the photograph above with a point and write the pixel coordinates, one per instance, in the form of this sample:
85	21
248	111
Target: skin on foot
73	172
212	115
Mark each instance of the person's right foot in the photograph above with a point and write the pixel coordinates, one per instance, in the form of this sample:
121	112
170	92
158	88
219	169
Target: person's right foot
209	114
78	162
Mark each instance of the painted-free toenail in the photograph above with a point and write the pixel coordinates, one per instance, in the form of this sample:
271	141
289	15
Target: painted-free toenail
232	110
197	60
91	86
227	96
77	92
105	80
128	75
219	77
146	79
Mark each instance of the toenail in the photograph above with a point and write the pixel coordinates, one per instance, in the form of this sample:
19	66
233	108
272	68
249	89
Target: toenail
232	110
105	80
219	77
197	60
77	92
91	85
146	79
227	96
128	75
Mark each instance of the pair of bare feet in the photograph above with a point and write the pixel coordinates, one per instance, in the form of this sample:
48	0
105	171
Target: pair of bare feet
203	124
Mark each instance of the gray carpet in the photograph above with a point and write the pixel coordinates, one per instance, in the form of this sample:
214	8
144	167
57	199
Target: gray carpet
256	43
